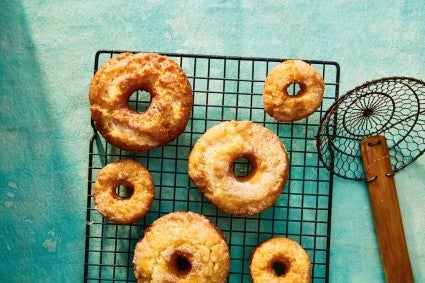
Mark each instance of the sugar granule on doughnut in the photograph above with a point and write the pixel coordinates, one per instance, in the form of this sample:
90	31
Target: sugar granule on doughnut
182	247
136	178
280	260
211	163
169	110
284	107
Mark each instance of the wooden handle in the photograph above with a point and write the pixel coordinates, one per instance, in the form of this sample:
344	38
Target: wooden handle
386	210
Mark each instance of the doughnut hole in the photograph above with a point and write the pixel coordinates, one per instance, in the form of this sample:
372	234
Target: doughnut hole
124	191
280	266
180	264
140	101
294	89
244	167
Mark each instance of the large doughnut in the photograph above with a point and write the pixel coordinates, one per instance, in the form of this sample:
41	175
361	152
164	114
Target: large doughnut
136	178
280	260
169	110
182	247
211	167
284	107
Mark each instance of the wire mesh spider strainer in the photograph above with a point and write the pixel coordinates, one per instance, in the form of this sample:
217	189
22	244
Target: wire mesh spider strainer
369	134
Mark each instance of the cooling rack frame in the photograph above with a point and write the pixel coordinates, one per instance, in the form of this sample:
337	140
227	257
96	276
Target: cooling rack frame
224	88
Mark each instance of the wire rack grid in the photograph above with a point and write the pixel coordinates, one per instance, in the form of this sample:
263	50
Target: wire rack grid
224	88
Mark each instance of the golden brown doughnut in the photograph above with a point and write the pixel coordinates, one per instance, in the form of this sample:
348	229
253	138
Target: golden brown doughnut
280	260
211	167
287	108
132	175
182	247
169	110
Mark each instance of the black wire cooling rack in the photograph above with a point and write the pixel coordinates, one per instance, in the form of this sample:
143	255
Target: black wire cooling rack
224	88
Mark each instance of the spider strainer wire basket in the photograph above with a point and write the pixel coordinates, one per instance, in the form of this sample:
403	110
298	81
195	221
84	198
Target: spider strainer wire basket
393	107
224	88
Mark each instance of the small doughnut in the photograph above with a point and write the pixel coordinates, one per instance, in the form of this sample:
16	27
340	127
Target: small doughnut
280	260
285	107
169	110
182	247
133	176
211	163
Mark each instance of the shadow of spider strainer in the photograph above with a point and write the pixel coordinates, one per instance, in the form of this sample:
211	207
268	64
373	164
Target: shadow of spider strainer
369	134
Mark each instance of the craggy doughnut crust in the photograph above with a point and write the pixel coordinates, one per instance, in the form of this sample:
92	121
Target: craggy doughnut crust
169	110
284	252
182	247
287	108
211	167
130	174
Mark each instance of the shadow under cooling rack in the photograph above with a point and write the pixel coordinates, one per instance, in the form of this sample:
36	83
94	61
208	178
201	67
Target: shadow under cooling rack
224	88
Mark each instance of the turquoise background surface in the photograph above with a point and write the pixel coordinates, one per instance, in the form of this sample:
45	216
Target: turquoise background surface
47	50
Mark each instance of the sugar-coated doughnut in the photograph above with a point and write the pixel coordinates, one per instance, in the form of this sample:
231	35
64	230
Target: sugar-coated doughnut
284	107
182	247
169	110
136	178
211	162
280	260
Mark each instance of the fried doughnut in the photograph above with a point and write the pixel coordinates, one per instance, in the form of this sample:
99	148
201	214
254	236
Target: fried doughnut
287	108
169	110
211	163
182	247
136	178
280	260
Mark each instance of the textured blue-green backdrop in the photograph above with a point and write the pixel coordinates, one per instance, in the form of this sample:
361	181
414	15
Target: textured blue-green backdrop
46	61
